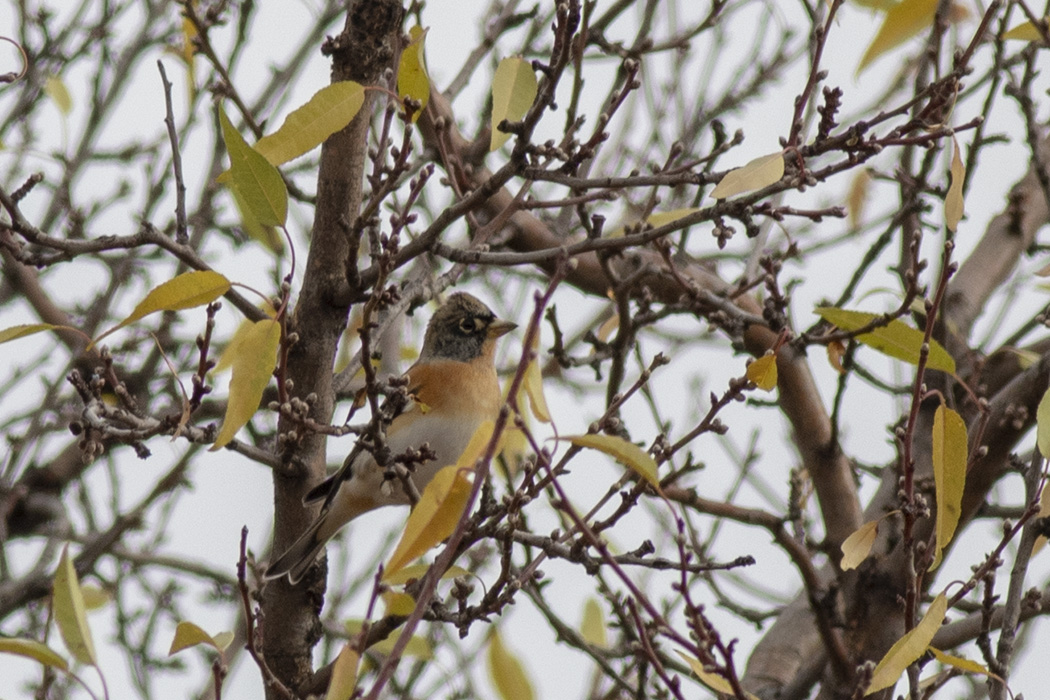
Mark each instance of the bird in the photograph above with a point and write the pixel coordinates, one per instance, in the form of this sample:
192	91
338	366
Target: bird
453	389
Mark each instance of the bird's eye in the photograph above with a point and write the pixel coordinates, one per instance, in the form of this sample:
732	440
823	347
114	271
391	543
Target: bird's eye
468	325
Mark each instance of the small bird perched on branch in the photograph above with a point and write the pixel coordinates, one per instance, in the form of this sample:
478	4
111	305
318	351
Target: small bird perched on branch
454	389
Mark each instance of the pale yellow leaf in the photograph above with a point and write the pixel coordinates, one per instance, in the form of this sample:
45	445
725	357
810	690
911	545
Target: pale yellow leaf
909	648
71	613
857	546
344	675
330	109
625	452
21	331
189	635
713	681
760	172
434	518
1042	425
763	372
1026	31
412	78
857	198
245	328
417	646
56	89
960	663
95	597
514	89
257	181
253	363
608	327
593	627
533	382
1044	512
658	219
903	21
953	201
186	291
896	339
950	453
418	571
507	672
32	649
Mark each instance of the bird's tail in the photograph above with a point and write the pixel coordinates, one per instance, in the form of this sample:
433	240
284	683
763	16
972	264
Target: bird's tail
298	558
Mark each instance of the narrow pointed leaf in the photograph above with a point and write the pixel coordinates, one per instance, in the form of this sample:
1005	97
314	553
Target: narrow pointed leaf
960	663
56	89
857	546
330	109
475	449
433	519
507	672
71	613
593	627
953	201
32	649
763	372
186	291
1042	421
659	219
514	89
909	648
244	329
253	364
1044	512
761	172
267	235
412	78
903	21
896	339
344	675
189	635
418	571
1025	31
257	181
533	381
950	453
21	331
398	603
712	680
857	198
625	452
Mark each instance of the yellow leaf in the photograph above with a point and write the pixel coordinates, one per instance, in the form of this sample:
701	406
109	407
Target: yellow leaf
953	201
514	89
903	21
71	613
1026	31
398	603
256	180
763	372
418	571
186	291
961	663
1042	422
475	449
857	546
625	452
226	358
412	78
858	196
330	109
32	649
896	339
189	635
712	680
760	172
15	332
949	474
533	381
1044	512
593	628
417	646
607	328
434	518
507	672
659	219
267	235
253	363
836	349
344	675
56	89
908	648
95	597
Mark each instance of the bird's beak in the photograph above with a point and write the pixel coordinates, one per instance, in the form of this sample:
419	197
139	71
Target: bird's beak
499	328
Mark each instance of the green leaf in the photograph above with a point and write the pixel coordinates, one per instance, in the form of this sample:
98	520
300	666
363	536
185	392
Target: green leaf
950	455
507	672
258	182
32	649
903	21
253	361
186	291
412	78
514	89
625	452
56	89
760	172
71	613
16	332
329	110
267	235
908	648
896	339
